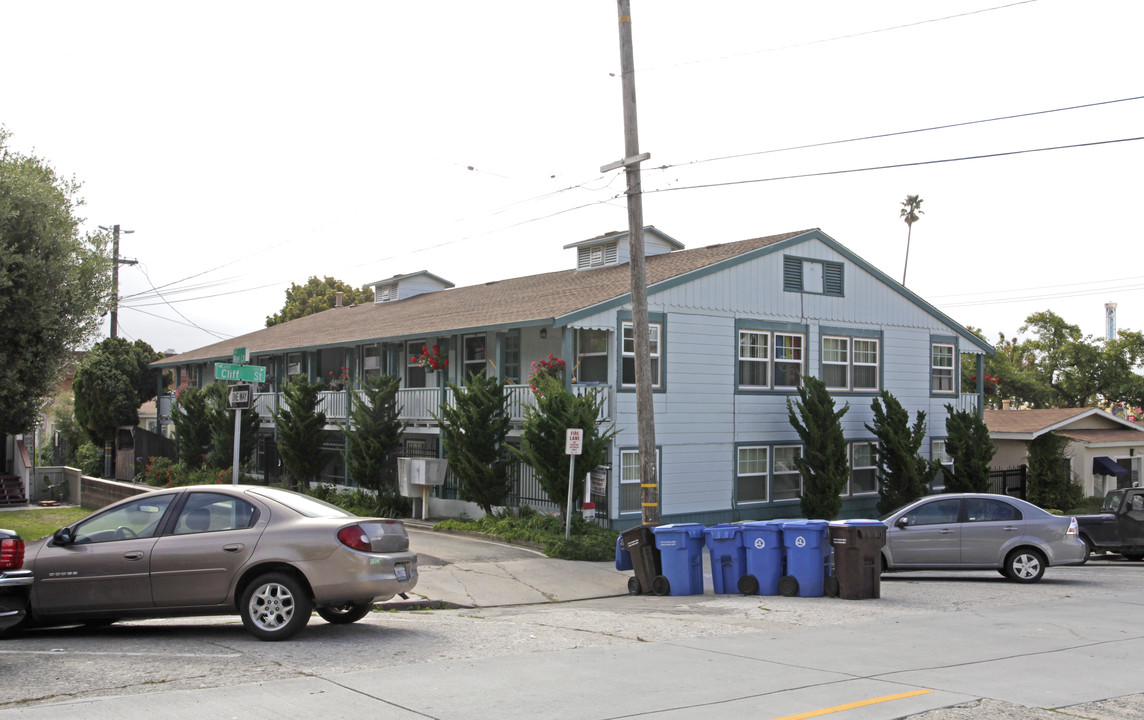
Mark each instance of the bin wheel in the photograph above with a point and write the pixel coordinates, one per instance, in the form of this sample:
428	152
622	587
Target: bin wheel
749	585
660	585
634	586
830	586
788	586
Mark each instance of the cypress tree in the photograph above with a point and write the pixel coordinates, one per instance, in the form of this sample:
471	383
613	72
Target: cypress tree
971	449
902	472
374	433
192	431
823	465
473	431
300	431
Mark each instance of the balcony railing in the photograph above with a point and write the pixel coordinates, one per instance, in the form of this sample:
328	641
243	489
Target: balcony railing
419	405
967	402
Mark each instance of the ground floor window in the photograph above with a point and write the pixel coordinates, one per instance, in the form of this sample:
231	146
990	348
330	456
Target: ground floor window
631	500
940	455
787	480
863	469
751	475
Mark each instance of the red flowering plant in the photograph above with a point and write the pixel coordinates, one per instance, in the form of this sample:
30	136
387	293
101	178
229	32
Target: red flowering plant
431	358
550	366
338	382
992	384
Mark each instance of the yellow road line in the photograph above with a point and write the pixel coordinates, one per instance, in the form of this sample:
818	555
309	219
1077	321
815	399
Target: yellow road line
851	706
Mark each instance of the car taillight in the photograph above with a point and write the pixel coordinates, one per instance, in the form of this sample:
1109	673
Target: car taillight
1073	529
354	537
11	554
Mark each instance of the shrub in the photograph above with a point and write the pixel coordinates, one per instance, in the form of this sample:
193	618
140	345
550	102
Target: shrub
587	542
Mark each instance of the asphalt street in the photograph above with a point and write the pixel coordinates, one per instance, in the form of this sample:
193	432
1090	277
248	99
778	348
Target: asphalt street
966	645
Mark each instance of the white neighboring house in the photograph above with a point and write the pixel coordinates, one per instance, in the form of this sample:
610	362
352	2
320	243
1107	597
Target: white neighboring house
1104	450
734	329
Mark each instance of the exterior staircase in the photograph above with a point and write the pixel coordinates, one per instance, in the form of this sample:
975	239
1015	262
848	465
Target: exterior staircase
12	490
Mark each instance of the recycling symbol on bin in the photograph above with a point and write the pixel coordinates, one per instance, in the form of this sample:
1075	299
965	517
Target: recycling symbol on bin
760	543
800	542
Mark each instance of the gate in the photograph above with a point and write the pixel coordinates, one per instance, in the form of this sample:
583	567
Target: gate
1010	481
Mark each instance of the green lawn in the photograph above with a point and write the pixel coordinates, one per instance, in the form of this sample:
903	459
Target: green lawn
35	523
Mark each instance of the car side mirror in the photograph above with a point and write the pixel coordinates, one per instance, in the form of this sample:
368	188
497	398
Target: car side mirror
902	522
63	536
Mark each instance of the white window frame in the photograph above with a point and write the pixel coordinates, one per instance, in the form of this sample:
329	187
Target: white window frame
630	474
775	473
763	359
628	352
943	371
778	360
765	474
838	356
854	466
938	453
855	353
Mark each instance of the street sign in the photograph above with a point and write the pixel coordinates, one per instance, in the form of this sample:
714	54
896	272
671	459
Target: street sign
573	441
238	357
246	373
239	397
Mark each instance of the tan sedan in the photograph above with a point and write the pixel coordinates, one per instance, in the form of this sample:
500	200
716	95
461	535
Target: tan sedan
271	555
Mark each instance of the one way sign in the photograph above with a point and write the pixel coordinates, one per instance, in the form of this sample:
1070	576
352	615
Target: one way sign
239	397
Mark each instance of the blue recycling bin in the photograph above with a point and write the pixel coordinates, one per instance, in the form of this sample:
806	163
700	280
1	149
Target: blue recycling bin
681	554
763	547
807	544
728	557
623	557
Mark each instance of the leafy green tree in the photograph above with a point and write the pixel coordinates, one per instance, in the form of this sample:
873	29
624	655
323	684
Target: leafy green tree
315	296
473	431
902	472
824	465
221	423
543	437
1050	483
110	384
300	430
192	428
1058	366
374	432
971	448
54	284
911	209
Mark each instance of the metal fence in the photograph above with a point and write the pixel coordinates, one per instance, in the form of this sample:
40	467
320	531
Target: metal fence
1010	481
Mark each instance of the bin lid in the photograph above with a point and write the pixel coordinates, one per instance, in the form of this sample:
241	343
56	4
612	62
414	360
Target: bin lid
805	524
856	523
724	532
695	530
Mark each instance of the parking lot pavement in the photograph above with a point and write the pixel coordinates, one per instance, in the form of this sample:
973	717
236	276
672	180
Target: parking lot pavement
957	645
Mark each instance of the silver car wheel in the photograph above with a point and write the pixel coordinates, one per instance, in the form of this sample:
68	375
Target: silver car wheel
271	607
1025	566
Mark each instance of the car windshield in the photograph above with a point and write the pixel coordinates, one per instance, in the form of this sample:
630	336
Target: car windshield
301	504
1112	501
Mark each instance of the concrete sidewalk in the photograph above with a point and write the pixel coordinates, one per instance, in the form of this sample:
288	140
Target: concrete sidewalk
524	581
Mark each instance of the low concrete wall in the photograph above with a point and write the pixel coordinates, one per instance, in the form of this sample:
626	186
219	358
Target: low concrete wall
98	492
65	485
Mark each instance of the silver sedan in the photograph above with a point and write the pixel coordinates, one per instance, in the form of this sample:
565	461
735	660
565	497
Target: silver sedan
980	532
270	555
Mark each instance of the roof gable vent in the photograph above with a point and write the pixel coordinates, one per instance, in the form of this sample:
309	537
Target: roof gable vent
401	287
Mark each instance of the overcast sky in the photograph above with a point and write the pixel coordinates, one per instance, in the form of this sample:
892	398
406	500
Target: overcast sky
249	145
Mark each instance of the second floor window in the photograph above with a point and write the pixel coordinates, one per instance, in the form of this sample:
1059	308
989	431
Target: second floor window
850	363
591	356
770	360
475	357
629	354
941	368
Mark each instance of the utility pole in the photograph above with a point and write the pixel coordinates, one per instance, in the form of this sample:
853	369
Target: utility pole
108	447
116	261
645	410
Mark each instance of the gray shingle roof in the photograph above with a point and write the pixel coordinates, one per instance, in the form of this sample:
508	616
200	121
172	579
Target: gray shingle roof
534	299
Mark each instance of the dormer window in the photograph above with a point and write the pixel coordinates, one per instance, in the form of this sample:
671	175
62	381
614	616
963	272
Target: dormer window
597	255
386	293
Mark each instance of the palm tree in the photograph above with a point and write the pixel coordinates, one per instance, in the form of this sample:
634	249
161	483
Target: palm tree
911	208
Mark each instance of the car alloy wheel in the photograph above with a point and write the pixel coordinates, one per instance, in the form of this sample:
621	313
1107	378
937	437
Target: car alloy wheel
1025	565
275	607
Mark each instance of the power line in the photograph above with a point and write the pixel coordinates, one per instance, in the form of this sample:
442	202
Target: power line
191	322
898	133
893	167
1038	287
204	297
1048	296
187	324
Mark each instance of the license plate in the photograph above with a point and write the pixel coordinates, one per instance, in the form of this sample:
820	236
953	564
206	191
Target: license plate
401	570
